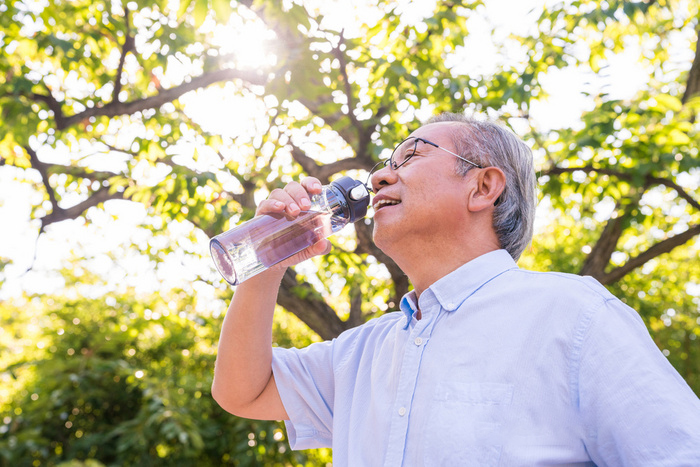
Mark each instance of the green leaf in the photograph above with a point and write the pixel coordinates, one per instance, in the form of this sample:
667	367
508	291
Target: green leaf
201	10
678	138
667	102
223	9
184	5
299	15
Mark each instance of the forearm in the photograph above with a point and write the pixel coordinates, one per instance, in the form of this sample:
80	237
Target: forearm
243	381
243	366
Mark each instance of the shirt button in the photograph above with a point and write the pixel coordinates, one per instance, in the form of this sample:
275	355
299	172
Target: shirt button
402	411
418	341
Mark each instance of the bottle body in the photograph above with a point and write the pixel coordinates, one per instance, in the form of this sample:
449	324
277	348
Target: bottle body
265	240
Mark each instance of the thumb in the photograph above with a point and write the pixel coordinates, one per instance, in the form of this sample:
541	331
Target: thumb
320	248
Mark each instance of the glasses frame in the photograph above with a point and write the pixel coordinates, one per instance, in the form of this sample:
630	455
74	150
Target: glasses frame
394	166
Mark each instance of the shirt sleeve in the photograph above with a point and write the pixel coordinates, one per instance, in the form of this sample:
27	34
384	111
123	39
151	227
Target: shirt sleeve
636	408
306	385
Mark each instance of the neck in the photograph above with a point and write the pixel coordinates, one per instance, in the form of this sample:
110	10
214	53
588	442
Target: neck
426	262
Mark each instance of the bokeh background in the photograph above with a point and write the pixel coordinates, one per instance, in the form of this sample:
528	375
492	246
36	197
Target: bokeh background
132	132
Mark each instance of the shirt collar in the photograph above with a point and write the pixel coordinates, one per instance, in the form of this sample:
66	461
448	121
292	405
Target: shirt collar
454	288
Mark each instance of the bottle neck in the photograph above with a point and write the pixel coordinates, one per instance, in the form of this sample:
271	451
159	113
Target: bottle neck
333	201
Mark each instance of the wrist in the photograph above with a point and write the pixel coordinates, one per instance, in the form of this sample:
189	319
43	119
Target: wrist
271	276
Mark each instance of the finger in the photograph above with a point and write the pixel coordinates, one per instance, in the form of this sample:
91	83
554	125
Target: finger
320	248
270	206
299	196
294	197
277	202
312	185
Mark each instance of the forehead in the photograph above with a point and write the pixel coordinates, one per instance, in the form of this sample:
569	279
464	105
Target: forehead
439	133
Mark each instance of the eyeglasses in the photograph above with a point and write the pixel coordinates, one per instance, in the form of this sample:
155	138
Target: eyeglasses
407	148
404	151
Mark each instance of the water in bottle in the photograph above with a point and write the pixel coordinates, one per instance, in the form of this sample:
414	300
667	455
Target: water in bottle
265	240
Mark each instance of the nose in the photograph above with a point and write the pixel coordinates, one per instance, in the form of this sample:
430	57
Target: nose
382	177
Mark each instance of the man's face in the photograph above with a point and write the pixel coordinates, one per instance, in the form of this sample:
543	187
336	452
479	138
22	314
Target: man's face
424	199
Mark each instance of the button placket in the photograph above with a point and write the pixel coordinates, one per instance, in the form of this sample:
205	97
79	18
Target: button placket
413	352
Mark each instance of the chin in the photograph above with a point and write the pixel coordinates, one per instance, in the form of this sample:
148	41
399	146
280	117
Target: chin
377	237
384	237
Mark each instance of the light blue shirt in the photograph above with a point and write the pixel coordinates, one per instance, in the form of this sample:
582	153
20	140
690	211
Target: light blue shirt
506	367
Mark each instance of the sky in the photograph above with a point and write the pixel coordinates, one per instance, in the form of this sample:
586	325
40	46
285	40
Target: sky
105	235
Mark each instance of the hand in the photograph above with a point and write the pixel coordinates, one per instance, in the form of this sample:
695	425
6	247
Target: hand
290	201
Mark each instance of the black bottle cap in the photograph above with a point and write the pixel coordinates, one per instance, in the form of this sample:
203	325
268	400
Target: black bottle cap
356	194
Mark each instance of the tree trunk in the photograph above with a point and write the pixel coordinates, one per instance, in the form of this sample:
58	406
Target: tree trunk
692	87
303	301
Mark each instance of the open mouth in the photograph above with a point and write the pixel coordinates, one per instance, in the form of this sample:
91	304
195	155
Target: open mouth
384	203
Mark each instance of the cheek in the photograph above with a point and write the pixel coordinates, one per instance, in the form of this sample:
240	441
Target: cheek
445	204
426	186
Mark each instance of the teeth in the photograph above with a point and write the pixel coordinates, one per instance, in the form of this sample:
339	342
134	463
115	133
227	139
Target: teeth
385	202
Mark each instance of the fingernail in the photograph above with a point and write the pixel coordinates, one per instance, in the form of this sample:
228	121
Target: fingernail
305	203
294	207
278	204
317	186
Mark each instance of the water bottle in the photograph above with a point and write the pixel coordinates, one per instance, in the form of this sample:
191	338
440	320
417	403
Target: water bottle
253	246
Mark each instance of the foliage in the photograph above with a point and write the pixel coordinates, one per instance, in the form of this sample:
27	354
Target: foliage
123	380
195	109
112	91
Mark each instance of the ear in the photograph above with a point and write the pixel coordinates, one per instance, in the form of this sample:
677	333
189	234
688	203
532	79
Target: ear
489	184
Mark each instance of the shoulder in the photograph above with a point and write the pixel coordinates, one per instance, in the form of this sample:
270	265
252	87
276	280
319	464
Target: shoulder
579	304
559	285
364	340
371	330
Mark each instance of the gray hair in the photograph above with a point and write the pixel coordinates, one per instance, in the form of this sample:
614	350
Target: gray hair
492	145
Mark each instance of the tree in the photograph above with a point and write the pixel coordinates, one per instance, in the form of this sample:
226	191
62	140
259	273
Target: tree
627	152
107	85
98	102
122	379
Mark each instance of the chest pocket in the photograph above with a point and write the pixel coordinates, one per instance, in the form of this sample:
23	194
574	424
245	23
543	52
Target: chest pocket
465	424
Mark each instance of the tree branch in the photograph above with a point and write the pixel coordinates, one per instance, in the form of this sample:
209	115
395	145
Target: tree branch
692	87
58	213
42	168
356	299
599	258
538	139
364	133
346	82
53	105
116	149
46	170
333	120
324	172
664	246
303	301
247	198
128	46
116	108
648	180
73	212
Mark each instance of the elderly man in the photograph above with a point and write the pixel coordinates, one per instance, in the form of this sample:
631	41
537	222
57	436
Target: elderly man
485	363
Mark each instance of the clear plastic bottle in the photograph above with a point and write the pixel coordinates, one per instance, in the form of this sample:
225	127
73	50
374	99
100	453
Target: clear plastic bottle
254	246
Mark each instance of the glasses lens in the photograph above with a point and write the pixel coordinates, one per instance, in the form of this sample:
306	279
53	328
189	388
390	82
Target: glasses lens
404	152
